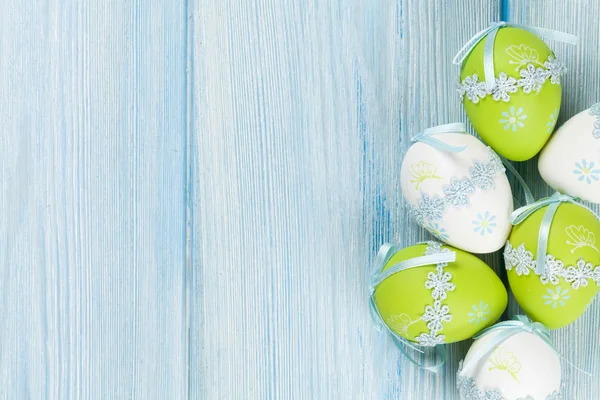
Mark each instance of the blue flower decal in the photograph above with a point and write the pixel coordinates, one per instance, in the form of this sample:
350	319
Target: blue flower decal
479	313
587	171
556	298
513	120
484	223
437	231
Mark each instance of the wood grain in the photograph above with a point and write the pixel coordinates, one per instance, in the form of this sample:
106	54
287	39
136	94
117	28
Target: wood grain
302	114
92	153
577	342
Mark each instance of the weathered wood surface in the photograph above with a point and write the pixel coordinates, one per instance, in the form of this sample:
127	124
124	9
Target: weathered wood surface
194	190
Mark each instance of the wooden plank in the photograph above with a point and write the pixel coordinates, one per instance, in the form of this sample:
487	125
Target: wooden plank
92	154
577	342
301	114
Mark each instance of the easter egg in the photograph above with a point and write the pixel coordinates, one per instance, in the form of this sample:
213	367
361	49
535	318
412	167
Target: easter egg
442	303
523	366
518	115
563	292
570	162
464	198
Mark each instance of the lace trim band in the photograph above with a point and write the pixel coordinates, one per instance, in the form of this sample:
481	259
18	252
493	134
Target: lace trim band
577	275
469	390
439	283
595	111
532	79
457	192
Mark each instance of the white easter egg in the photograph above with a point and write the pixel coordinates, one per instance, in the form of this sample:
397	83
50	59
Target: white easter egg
520	367
570	162
463	199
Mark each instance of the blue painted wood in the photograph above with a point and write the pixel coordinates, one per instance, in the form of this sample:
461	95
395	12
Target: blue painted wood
92	153
302	114
194	191
578	341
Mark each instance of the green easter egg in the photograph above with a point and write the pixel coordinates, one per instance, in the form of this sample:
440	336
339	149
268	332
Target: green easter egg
519	127
406	304
573	258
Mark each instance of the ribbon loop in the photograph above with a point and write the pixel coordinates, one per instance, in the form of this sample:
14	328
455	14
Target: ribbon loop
528	196
488	51
427	137
386	252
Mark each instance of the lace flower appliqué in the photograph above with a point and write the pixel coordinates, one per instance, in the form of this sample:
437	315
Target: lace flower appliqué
523	263
531	80
437	314
457	192
595	112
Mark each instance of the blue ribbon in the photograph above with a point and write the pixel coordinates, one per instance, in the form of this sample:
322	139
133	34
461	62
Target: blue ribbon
528	196
507	329
386	251
553	202
488	50
427	137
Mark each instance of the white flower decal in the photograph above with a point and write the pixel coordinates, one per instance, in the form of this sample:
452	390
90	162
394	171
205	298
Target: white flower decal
580	237
513	119
556	298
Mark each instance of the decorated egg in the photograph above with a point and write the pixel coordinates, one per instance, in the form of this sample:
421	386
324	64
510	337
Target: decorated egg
560	293
522	366
438	303
516	112
570	162
462	198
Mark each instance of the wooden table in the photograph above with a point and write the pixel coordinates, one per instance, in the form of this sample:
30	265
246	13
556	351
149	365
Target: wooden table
193	190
